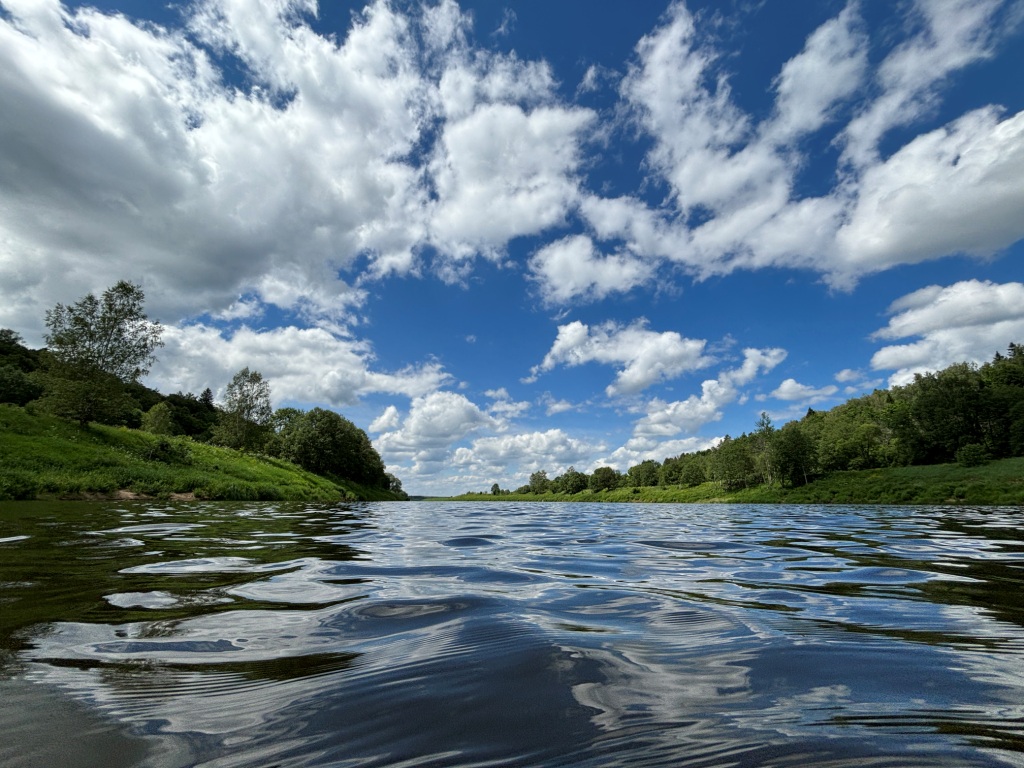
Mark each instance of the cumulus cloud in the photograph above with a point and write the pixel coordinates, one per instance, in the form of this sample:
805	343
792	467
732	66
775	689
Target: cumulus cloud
646	357
958	189
130	153
431	430
387	421
503	406
572	269
304	365
501	173
668	419
791	390
967	321
734	203
520	454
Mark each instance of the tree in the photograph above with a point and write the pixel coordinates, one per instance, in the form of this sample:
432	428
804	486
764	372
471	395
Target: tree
763	449
16	386
795	454
645	474
110	334
158	420
539	482
572	482
97	346
245	419
14	353
604	479
326	443
731	463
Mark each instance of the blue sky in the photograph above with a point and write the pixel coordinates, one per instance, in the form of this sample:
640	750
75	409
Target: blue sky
504	237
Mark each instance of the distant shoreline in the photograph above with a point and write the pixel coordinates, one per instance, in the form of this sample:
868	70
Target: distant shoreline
997	483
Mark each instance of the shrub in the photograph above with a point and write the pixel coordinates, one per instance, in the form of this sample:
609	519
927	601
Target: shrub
972	455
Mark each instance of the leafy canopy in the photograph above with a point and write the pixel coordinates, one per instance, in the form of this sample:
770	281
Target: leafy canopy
110	334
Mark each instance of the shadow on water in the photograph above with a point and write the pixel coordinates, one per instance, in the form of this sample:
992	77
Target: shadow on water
505	634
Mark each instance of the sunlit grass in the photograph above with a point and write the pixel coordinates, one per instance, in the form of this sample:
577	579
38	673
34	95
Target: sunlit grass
42	456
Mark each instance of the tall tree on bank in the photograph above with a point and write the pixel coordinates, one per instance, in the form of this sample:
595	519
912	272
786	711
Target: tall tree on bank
96	347
246	416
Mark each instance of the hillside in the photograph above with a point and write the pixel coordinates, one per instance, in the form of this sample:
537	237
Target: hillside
46	457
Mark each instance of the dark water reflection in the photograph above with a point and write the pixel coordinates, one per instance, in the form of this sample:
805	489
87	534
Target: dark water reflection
505	634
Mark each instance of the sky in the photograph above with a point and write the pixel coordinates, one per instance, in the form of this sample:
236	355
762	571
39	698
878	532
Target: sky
511	236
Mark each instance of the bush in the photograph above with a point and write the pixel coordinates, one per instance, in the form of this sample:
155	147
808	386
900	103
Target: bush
17	486
972	455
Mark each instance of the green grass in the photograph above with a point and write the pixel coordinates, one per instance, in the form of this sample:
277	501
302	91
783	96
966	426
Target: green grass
45	457
996	483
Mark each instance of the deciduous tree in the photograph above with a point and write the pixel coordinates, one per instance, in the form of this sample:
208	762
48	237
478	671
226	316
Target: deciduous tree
244	422
96	346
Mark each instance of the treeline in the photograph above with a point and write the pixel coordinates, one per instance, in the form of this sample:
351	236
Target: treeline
966	413
99	348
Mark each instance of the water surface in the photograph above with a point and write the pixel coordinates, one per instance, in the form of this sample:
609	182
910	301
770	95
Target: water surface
503	634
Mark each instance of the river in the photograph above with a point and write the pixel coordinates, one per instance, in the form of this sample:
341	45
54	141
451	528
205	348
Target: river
505	634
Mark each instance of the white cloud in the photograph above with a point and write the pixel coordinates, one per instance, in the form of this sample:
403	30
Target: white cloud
503	406
304	365
572	269
954	34
387	421
831	67
553	406
647	357
968	321
791	390
502	172
959	189
954	190
847	375
667	419
134	157
430	432
518	455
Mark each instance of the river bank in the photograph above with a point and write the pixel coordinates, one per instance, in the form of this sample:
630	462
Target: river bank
42	457
995	483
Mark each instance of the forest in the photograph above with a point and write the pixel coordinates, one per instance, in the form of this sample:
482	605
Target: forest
966	413
97	351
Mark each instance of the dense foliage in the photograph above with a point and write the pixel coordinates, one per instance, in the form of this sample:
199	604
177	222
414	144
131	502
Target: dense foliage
98	350
966	414
94	348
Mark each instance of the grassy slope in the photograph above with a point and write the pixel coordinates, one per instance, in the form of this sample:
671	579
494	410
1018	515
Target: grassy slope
42	457
1000	482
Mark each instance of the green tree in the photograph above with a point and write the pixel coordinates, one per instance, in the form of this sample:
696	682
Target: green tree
794	454
326	443
605	479
14	353
158	420
572	481
97	346
762	449
539	482
395	486
645	474
244	422
16	386
732	465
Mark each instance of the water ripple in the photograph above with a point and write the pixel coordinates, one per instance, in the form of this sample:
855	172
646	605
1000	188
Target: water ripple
509	634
